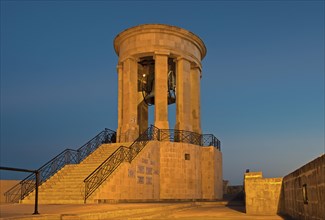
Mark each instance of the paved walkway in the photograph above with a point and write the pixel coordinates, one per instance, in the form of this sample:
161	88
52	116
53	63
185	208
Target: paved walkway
181	211
211	212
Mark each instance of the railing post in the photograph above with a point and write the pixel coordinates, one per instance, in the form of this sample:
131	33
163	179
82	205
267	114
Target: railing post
85	198
159	135
36	193
21	191
78	156
66	155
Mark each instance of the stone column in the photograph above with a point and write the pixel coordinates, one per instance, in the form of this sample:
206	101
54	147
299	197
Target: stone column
183	93
161	89
195	99
119	101
130	128
142	113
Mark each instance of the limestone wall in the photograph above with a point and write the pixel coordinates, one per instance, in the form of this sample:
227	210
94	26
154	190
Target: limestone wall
304	191
262	195
138	181
5	185
165	171
300	194
180	177
211	165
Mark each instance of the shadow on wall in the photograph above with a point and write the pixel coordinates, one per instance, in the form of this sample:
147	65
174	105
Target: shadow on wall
281	207
303	192
5	185
234	195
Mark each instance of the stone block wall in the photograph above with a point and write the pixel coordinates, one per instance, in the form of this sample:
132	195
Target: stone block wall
262	195
180	171
165	171
299	195
136	181
304	191
211	168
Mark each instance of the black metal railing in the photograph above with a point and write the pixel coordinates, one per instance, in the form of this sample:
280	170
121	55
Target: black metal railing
190	137
122	154
127	154
173	135
68	156
210	140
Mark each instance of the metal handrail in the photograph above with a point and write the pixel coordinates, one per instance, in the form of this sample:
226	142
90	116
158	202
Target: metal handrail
68	156
103	171
174	135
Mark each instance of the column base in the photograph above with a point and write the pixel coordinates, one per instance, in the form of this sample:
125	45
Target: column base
162	124
128	133
183	127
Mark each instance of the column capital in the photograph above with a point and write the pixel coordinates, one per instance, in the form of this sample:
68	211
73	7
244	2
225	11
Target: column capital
183	58
161	53
195	66
119	66
129	58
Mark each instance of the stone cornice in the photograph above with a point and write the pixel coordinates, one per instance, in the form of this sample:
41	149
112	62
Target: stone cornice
160	28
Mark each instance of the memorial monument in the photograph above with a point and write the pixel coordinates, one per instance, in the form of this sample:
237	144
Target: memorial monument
158	65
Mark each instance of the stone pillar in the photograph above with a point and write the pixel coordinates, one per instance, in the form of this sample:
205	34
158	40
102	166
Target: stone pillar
195	99
161	89
119	101
183	95
129	127
142	113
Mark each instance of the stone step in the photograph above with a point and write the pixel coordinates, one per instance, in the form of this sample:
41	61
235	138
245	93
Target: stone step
56	201
62	188
62	193
58	196
67	186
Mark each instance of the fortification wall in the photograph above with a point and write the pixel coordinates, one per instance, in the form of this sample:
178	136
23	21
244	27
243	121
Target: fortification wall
304	191
300	194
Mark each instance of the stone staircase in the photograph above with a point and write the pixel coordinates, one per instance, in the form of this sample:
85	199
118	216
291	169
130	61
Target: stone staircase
67	186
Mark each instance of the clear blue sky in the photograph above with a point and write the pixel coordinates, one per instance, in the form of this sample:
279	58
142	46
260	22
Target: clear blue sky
262	86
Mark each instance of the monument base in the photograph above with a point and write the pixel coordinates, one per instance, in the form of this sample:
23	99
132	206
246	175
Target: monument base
165	171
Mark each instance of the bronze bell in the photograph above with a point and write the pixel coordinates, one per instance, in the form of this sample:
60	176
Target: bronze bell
147	81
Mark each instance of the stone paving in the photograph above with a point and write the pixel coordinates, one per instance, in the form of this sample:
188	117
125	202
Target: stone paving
159	211
210	212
